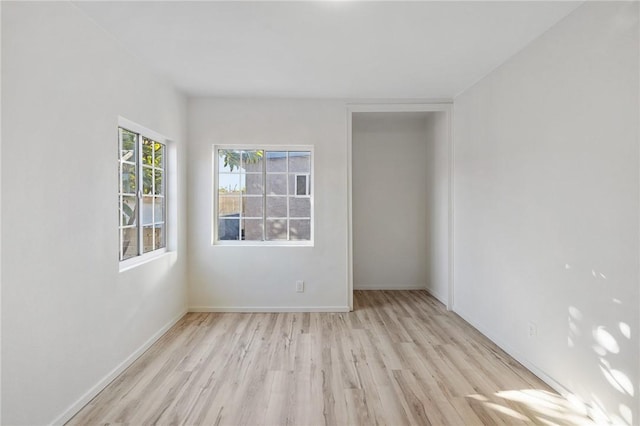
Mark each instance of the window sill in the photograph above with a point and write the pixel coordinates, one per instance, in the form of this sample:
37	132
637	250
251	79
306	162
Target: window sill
263	243
134	262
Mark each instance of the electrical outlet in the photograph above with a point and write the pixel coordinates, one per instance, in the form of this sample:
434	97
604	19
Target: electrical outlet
300	286
533	330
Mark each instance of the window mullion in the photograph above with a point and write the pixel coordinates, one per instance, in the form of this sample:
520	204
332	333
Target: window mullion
139	193
153	196
120	209
264	196
288	193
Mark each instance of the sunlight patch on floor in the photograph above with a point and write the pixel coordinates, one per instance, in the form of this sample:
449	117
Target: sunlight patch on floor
535	406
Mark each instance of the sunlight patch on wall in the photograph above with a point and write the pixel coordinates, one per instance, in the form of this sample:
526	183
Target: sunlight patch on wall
616	378
606	340
625	329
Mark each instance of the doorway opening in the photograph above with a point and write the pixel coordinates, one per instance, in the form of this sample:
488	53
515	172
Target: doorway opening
400	204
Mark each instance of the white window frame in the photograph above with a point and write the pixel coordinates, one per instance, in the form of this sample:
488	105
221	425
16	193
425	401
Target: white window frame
310	195
157	137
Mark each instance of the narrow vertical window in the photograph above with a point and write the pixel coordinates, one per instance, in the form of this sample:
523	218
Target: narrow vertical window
142	195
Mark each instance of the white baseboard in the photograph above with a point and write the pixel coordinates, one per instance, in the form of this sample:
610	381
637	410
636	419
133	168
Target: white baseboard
437	296
98	387
518	356
273	309
390	287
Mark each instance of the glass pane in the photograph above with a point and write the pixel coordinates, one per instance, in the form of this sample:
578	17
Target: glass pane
276	161
252	206
229	160
147	210
228	229
128	146
228	206
276	229
299	207
301	185
229	184
276	206
159	154
252	229
300	162
254	184
158	182
252	161
129	242
158	209
160	238
277	184
243	183
129	210
299	229
128	177
147	239
147	151
147	180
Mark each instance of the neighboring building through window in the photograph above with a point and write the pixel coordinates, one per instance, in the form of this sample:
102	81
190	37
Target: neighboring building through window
302	185
142	198
263	195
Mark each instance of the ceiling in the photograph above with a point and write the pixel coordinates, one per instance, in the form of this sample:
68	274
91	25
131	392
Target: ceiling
328	49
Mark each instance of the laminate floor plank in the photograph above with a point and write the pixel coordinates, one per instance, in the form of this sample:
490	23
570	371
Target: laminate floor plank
398	359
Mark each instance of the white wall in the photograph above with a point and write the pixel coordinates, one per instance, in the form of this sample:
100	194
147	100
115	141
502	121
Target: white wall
68	316
390	236
547	206
437	166
253	278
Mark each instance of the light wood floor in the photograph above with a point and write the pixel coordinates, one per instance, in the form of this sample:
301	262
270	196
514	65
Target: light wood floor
398	359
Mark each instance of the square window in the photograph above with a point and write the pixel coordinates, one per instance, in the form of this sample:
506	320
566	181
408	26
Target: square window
262	195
